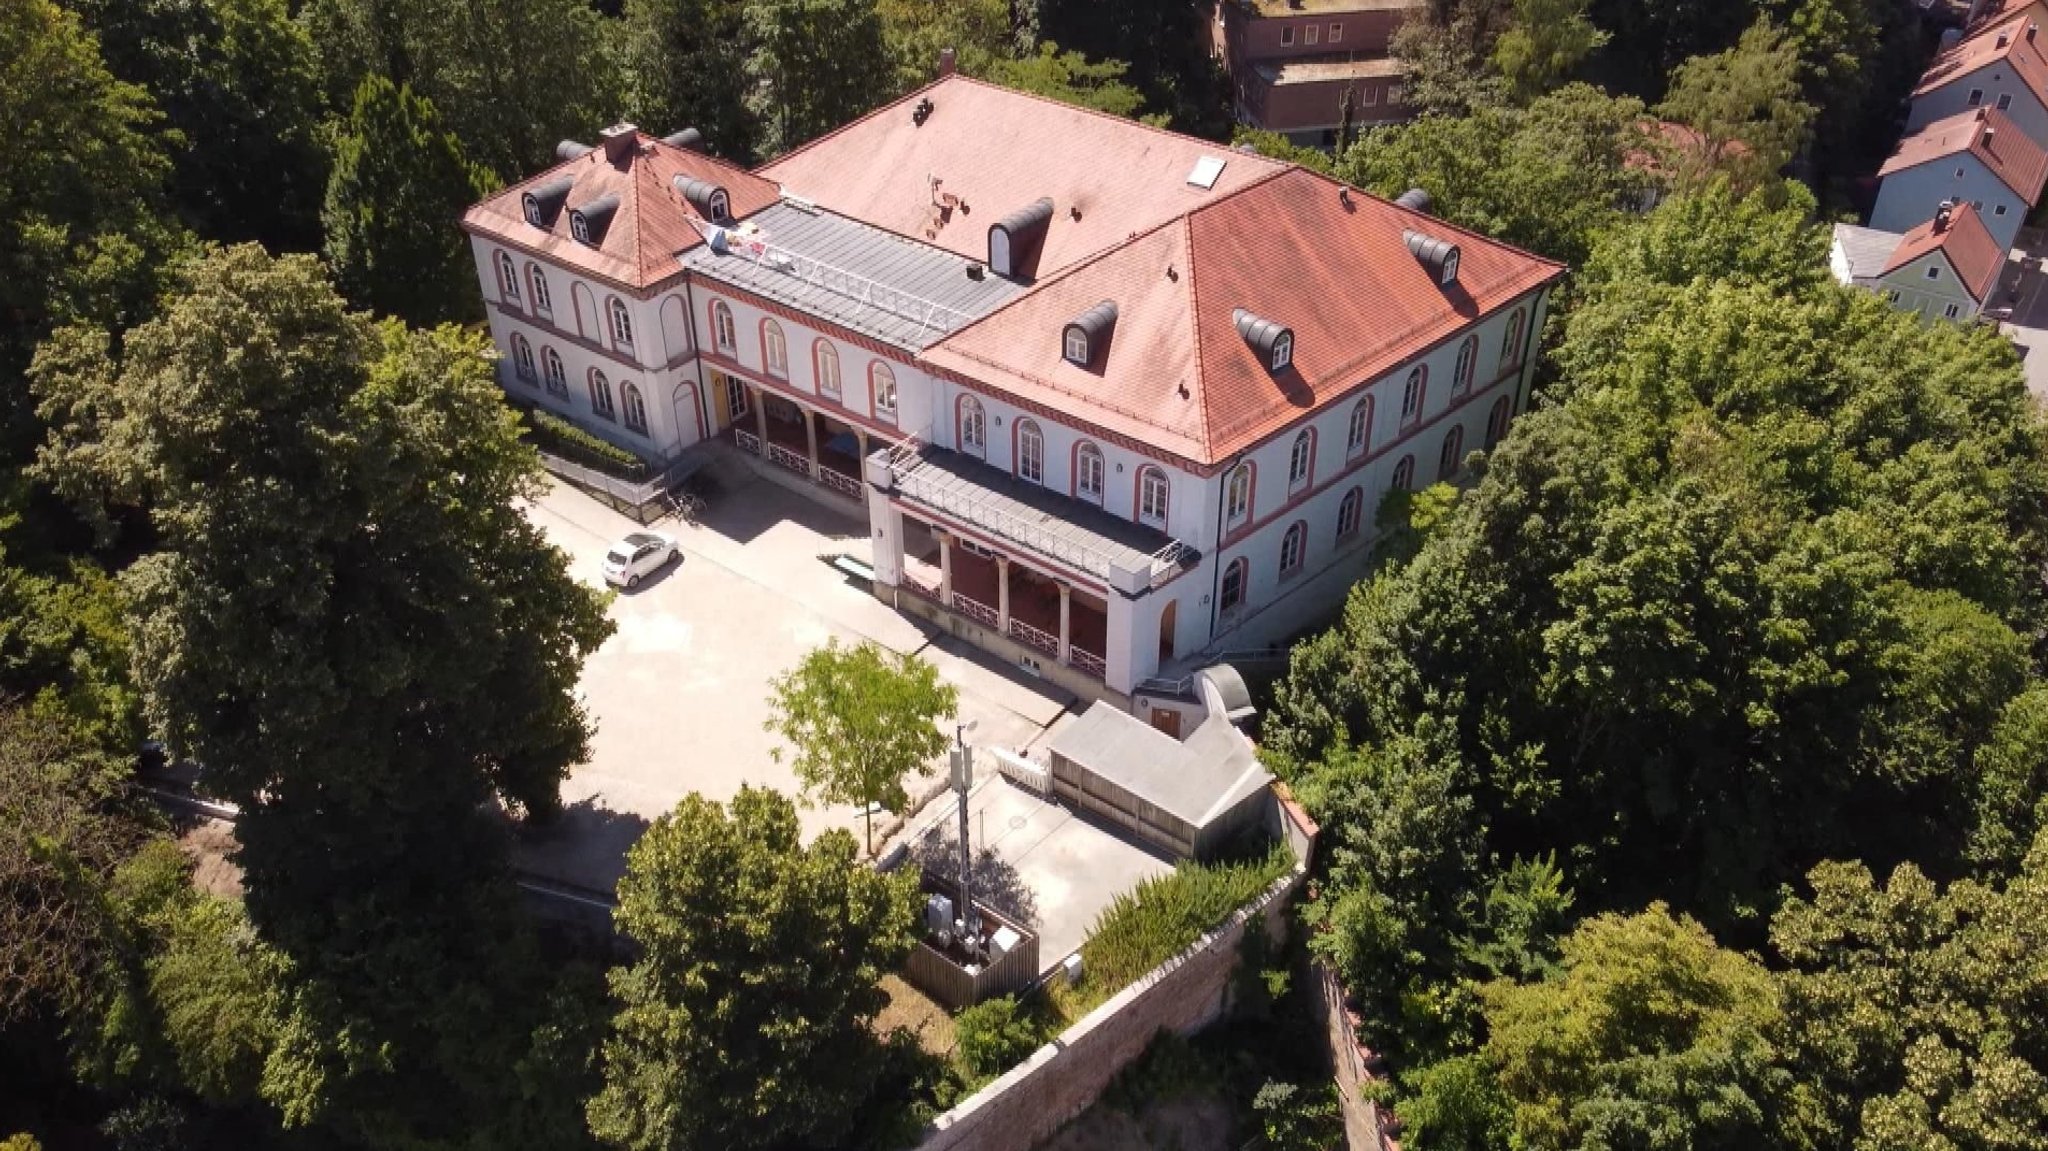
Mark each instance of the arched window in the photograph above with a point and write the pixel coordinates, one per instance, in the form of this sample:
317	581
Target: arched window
883	381
827	358
522	359
601	395
1452	455
723	333
1497	421
1301	460
1152	497
508	280
636	408
1404	474
721	205
557	377
1030	452
1350	513
1411	395
1235	576
1283	351
542	302
1088	473
1511	345
973	430
774	350
1237	495
1361	427
1292	547
622	325
1468	360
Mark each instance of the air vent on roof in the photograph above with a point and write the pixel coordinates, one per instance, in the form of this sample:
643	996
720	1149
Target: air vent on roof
1273	342
1415	200
710	200
589	223
1087	334
543	202
1206	171
687	138
571	150
1439	256
1013	241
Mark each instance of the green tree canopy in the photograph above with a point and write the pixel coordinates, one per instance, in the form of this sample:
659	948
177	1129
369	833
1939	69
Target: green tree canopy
746	1021
815	64
1070	78
684	64
1543	43
1167	46
917	31
339	553
859	720
1746	103
400	183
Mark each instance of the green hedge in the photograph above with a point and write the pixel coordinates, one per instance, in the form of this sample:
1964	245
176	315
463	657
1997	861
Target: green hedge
556	436
1145	927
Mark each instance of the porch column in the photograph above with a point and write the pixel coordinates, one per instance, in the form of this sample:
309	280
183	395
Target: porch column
760	418
1003	594
945	567
811	438
1066	606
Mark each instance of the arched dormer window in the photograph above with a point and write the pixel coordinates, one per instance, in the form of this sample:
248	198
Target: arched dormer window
1030	451
1359	433
721	204
1152	497
1301	461
622	325
601	395
1088	473
1237	495
972	432
1283	351
724	334
635	407
882	382
542	301
827	358
774	350
1452	453
553	373
508	280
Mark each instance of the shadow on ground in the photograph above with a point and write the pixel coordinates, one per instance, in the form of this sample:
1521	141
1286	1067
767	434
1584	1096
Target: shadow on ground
996	882
585	846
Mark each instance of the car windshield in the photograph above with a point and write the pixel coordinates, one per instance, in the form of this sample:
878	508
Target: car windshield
616	556
639	540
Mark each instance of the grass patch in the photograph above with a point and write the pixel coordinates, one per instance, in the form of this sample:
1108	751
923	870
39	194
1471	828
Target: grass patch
1161	917
557	436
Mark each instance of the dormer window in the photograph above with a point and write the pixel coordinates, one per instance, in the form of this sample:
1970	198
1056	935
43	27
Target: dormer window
1088	334
1283	351
1272	343
533	213
579	228
1439	256
588	223
711	201
541	204
721	205
1014	240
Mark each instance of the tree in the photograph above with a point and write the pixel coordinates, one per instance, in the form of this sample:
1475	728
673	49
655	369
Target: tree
978	31
995	1035
1167	44
859	720
338	551
1279	147
745	1023
1293	1118
1070	78
238	84
1746	105
1653	1036
685	64
815	65
399	185
1912	1014
1543	43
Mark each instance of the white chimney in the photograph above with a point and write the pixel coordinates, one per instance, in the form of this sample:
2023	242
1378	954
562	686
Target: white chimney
619	141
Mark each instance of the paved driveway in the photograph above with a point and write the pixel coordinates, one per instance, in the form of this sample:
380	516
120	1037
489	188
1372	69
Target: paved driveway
2025	284
679	694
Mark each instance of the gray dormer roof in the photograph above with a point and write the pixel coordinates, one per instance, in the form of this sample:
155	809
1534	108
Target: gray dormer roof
1415	200
1439	256
1095	325
1262	335
543	202
571	150
589	222
1025	230
687	138
711	201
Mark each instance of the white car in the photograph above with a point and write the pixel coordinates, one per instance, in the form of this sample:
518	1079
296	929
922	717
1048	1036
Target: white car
636	557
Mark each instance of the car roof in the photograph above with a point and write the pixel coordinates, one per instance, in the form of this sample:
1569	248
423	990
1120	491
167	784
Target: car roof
642	539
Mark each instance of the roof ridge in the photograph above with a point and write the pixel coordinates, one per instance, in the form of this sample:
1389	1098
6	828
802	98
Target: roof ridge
1087	261
1437	222
1126	121
807	145
1194	309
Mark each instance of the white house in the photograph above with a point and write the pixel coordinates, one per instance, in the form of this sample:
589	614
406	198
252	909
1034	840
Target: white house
1113	400
1978	157
1946	269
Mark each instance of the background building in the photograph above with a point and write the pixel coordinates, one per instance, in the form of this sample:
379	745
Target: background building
1293	62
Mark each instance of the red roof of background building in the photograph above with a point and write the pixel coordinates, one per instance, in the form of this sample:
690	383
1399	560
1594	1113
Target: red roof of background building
1975	257
996	151
2020	51
1177	374
652	225
1996	12
2011	156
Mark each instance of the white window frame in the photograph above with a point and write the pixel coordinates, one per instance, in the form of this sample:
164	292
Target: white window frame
1154	497
1237	578
973	427
600	389
1030	452
1450	457
1404	474
621	324
1301	459
2004	101
508	279
1286	35
774	350
1350	512
1310	34
1293	549
737	405
725	334
522	360
826	359
1076	346
1975	98
1089	472
543	300
1237	496
1951	311
882	384
554	374
1467	366
1283	351
1412	397
1358	435
633	407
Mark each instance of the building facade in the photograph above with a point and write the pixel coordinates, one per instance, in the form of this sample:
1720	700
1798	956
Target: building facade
1978	157
1946	269
1106	418
2000	67
1295	64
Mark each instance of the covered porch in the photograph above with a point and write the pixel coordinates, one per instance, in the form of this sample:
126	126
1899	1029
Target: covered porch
800	439
1061	621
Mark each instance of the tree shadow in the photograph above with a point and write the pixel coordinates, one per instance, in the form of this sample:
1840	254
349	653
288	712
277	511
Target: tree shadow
996	882
583	847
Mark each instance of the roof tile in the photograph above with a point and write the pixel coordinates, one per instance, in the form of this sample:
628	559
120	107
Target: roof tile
1974	256
1990	136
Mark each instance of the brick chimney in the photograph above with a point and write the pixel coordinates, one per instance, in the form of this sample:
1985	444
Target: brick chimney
619	142
946	61
1941	216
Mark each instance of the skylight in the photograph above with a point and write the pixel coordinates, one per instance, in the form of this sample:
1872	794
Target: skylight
1205	172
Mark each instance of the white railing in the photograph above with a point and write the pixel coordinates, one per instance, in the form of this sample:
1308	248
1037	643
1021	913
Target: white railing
978	612
1033	637
843	484
794	461
748	441
921	589
1087	661
839	281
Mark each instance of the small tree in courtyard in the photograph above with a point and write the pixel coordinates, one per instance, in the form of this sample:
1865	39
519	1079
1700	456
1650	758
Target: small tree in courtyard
860	719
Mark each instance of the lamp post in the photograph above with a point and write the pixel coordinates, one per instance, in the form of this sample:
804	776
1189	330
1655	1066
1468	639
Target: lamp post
963	782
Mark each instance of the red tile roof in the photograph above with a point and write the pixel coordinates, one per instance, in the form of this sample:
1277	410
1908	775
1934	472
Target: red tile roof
2020	51
652	224
1179	377
996	151
2011	156
1997	12
1974	256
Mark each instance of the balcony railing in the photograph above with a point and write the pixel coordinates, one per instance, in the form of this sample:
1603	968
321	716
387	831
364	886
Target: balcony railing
1033	637
980	613
784	458
748	441
1087	661
843	484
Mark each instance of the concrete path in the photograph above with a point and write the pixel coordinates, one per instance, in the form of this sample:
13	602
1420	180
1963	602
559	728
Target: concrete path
679	694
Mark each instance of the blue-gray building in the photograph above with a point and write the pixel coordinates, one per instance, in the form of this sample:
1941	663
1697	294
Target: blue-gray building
1979	157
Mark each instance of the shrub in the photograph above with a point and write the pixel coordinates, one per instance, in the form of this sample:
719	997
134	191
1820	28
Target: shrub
996	1035
1143	928
557	436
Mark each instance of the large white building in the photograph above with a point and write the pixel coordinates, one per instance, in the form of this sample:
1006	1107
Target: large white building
1113	400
